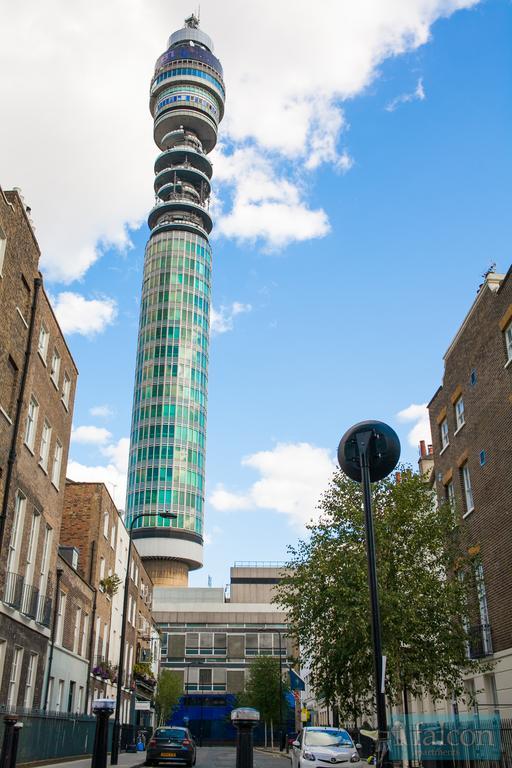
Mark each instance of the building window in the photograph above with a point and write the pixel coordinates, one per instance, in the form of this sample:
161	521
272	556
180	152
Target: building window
16	532
80	699
55	368
443	428
44	450
85	632
459	413
76	631
30	428
468	491
483	458
43	574
113	531
66	390
42	343
3	245
30	679
71	695
508	341
57	464
492	692
14	677
483	609
473	377
450	495
102	571
61	612
105	524
60	696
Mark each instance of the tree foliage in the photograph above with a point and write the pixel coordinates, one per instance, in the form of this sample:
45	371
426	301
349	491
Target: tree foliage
168	692
263	690
422	601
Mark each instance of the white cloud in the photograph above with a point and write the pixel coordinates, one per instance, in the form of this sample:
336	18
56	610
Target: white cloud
80	138
211	535
101	411
421	426
264	206
293	476
90	435
76	314
113	474
417	95
221	320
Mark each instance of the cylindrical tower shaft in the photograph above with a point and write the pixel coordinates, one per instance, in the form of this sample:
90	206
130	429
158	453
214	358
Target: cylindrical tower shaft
167	441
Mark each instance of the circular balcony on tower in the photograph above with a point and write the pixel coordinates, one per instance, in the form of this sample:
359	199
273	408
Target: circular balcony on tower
169	177
170	209
181	116
183	155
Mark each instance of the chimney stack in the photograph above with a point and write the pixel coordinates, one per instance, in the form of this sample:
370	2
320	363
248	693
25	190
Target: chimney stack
423	450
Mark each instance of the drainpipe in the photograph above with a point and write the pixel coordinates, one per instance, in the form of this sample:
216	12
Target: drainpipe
19	407
91	630
52	637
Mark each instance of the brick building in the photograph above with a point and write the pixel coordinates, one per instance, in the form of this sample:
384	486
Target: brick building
37	388
471	420
93	526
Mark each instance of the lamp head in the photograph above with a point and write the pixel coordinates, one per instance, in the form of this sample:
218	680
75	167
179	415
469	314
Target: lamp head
383	453
168	515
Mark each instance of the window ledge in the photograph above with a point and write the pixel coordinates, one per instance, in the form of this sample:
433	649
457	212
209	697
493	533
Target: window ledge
45	469
509	362
444	449
66	406
43	359
29	448
459	428
56	486
55	383
4	413
466	514
18	310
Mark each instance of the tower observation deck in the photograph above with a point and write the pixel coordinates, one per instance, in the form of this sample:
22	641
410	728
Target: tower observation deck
167	440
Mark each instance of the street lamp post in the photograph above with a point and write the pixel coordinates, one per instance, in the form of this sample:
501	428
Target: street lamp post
114	755
369	452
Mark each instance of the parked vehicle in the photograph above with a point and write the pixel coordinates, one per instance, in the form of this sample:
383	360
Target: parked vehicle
314	747
171	744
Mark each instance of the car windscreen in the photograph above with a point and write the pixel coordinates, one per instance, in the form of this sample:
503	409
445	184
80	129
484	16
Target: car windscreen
169	733
327	738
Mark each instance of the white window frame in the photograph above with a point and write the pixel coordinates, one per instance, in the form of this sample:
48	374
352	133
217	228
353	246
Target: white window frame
106	522
3	246
85	633
31	424
450	495
468	490
42	342
3	650
66	390
445	436
508	341
14	677
57	463
76	630
28	698
55	367
460	418
44	448
102	570
18	522
61	613
43	573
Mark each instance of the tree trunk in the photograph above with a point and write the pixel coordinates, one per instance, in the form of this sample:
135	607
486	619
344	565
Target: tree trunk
271	735
266	744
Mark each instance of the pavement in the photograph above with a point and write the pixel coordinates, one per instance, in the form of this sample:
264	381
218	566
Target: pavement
207	757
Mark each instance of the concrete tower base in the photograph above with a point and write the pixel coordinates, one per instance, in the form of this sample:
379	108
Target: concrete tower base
167	573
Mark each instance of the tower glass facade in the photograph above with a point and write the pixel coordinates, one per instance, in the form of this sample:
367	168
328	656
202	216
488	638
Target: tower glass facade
168	432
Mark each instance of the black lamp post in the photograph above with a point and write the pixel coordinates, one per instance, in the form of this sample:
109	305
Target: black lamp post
369	452
114	755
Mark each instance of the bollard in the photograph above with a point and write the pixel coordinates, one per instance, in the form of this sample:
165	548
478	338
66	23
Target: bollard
102	709
7	744
245	720
15	740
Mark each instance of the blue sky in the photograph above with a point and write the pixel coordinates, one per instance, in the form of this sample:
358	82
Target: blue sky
346	324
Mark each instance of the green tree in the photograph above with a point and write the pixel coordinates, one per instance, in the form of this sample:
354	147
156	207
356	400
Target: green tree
422	601
263	691
168	692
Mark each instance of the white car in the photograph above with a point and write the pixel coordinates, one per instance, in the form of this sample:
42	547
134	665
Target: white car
318	747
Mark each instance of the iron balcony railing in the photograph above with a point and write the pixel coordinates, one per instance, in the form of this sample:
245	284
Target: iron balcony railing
26	599
479	641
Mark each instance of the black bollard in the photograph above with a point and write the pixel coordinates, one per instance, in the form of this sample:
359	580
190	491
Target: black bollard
7	744
245	720
15	740
102	709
